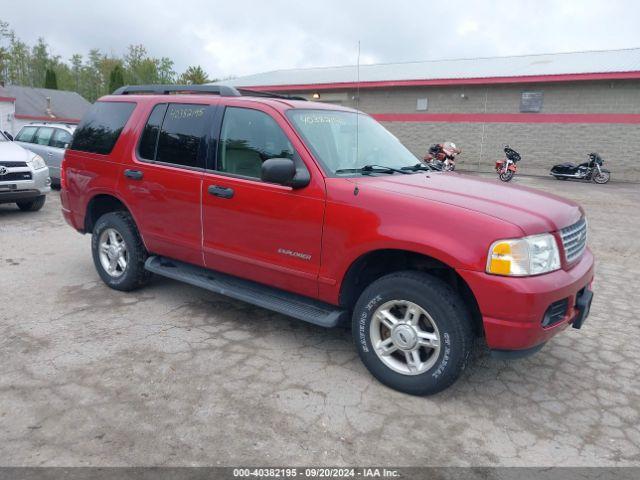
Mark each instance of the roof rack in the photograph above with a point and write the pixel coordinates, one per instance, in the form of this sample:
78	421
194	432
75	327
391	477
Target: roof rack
259	93
222	90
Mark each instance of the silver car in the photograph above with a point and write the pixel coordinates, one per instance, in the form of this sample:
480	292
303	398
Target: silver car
49	140
24	177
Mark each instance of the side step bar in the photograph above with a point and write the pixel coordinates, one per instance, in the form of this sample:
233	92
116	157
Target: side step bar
297	306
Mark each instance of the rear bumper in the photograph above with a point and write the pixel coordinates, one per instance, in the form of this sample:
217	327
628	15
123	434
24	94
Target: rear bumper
513	308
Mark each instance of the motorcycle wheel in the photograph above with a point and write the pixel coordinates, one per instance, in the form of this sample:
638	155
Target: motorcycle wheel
602	177
506	176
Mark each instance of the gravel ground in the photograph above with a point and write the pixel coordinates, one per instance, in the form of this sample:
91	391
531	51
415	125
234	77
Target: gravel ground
175	375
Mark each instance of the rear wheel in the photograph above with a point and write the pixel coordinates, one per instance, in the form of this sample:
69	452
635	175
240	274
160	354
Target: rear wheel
32	205
118	252
412	332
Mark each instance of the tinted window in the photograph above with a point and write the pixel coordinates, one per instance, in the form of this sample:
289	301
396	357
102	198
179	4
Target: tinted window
60	138
43	135
26	134
149	138
248	138
181	134
101	126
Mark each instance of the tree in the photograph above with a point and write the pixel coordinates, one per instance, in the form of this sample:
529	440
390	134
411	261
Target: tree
116	78
39	64
51	80
194	75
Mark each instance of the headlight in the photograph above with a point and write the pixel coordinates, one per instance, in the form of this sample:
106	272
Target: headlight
524	256
37	162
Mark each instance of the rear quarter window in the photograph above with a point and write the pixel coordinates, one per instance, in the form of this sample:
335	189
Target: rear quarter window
100	128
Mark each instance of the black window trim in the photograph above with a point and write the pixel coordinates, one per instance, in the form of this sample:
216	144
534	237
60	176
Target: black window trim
212	166
203	152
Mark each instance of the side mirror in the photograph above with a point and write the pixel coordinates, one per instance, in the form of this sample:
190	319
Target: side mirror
8	135
66	145
283	172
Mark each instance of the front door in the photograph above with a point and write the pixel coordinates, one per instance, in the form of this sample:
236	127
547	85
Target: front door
256	230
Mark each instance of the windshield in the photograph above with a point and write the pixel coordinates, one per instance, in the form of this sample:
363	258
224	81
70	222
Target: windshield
331	135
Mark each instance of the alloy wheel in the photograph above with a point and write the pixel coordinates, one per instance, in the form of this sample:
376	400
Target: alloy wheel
405	337
113	252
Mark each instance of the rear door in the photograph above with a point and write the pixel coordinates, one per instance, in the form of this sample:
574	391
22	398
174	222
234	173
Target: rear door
55	151
256	230
163	182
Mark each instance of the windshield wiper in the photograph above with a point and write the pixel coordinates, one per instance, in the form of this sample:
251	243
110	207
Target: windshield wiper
418	167
371	169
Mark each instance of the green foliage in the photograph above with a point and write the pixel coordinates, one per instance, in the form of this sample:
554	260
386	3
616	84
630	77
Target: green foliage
116	78
93	75
193	76
50	79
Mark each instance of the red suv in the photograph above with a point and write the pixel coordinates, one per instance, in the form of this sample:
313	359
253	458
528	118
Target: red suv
317	212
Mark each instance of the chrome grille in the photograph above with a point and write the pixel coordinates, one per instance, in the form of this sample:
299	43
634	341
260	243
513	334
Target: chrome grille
574	240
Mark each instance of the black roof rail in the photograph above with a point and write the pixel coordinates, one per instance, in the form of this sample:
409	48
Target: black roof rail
259	93
222	90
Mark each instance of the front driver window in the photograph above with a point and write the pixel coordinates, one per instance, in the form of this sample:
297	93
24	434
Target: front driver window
248	138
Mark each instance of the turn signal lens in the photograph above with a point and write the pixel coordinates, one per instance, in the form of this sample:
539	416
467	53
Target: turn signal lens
524	256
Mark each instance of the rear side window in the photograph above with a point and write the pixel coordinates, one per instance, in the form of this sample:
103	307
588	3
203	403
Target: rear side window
60	138
173	134
43	136
26	134
100	128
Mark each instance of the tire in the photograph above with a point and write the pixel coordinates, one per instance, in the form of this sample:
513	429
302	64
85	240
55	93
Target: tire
602	178
506	176
118	229
442	317
32	205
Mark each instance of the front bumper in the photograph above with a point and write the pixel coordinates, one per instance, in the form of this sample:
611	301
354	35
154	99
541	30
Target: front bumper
513	308
40	184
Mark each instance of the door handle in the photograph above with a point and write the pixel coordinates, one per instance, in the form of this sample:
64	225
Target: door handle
50	154
221	192
133	174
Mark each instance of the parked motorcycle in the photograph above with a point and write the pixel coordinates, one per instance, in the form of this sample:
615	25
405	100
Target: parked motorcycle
507	168
442	156
591	170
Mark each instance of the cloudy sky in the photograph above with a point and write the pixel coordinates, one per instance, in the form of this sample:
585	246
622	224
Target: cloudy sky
243	37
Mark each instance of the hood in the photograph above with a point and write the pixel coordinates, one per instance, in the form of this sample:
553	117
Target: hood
532	210
12	152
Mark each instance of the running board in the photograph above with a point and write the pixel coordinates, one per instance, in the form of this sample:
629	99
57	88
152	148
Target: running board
297	306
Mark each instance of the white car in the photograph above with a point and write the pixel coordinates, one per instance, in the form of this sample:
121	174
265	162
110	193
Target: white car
24	177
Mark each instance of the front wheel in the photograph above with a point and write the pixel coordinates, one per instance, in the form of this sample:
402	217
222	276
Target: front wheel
412	332
506	176
118	252
602	177
32	205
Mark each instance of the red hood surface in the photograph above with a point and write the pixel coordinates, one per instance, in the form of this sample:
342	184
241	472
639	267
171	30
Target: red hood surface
532	210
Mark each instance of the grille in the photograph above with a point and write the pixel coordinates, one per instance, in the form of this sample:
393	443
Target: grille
574	240
15	176
12	164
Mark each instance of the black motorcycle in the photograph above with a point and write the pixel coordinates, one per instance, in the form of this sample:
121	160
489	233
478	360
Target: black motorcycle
591	170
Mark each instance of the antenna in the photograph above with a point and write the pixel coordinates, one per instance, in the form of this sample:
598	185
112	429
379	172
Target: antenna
357	104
